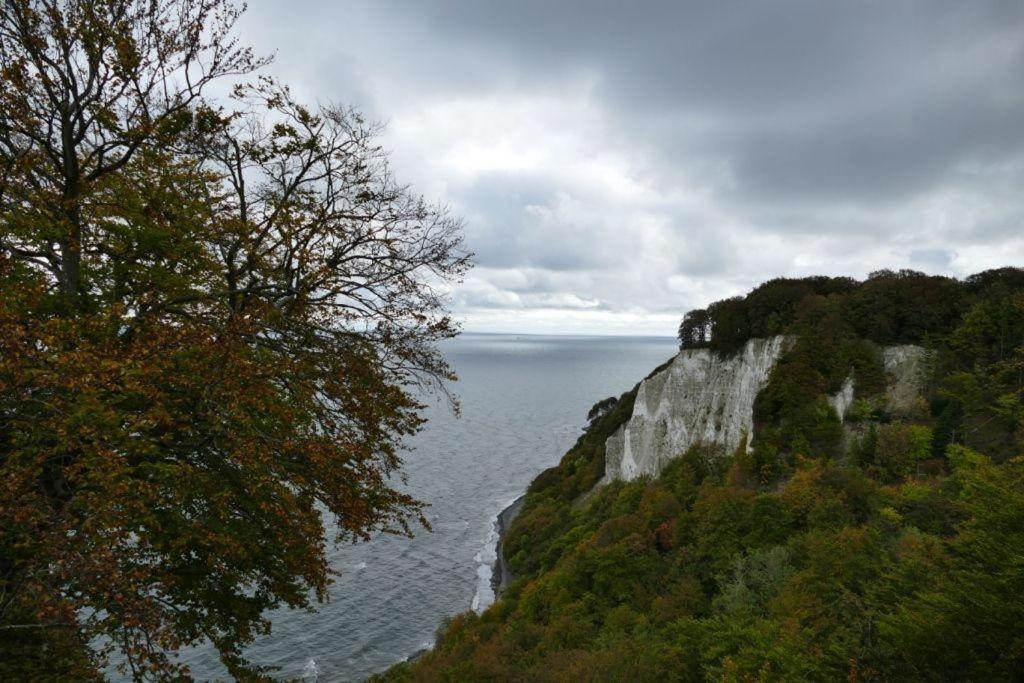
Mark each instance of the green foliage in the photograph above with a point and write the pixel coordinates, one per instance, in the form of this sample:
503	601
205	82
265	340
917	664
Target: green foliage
755	579
982	389
962	619
215	319
836	576
866	410
823	581
543	530
888	308
899	448
601	407
904	307
883	550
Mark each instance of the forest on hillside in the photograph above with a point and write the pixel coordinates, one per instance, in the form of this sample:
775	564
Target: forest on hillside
888	548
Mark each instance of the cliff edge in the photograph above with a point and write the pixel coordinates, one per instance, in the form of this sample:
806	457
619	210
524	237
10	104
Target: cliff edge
701	397
704	398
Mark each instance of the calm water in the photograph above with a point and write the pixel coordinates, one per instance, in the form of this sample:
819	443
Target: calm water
524	400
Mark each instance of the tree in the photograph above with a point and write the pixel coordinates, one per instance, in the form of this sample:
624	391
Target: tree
601	408
900	447
730	327
213	324
962	618
695	329
88	86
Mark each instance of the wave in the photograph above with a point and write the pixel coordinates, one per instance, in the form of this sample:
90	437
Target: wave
425	647
310	672
487	558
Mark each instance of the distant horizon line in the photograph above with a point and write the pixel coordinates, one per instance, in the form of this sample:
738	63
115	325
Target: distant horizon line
563	334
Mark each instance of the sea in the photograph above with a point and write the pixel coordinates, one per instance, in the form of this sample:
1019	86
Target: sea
524	401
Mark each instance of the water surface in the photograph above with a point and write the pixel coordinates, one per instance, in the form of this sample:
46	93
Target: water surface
524	400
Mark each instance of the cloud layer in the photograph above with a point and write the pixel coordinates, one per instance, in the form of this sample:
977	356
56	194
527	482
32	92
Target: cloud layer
619	163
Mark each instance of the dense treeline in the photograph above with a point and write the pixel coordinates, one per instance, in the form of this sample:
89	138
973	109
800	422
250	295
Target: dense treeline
883	548
902	307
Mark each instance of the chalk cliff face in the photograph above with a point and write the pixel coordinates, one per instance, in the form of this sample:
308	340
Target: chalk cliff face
702	398
842	400
698	398
903	375
903	368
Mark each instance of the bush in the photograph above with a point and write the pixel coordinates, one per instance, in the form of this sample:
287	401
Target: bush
900	447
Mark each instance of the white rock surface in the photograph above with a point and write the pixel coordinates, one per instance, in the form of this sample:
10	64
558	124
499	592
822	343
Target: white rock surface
698	398
842	401
903	375
701	398
903	366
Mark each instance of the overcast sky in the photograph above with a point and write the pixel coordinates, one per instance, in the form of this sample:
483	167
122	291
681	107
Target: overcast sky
618	163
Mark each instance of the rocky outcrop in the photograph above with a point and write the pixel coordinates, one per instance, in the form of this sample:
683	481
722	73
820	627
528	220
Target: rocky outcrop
842	400
700	398
903	366
903	387
502	574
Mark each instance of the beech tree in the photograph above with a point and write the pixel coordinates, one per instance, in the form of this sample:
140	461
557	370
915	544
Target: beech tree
695	329
215	319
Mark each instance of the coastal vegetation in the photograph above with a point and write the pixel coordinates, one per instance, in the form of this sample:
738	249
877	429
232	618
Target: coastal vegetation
219	313
215	317
885	547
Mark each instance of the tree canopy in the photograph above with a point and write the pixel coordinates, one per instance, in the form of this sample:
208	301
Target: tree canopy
215	318
888	307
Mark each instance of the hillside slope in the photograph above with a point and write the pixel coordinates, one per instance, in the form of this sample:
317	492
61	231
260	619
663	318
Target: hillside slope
858	537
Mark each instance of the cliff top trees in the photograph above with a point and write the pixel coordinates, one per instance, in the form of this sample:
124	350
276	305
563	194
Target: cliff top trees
695	329
211	324
904	307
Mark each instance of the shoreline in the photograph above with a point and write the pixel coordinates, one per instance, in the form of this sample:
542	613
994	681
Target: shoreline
501	575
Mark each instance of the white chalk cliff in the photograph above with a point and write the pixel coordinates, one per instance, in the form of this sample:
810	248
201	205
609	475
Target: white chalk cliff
699	398
903	367
903	374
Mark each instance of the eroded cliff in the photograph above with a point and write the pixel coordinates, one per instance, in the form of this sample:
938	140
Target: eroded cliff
704	398
699	398
903	369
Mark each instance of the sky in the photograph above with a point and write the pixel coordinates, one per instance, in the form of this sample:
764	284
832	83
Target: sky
619	163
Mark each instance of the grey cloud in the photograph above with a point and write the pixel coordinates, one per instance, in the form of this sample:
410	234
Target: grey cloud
931	259
727	141
520	221
815	100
